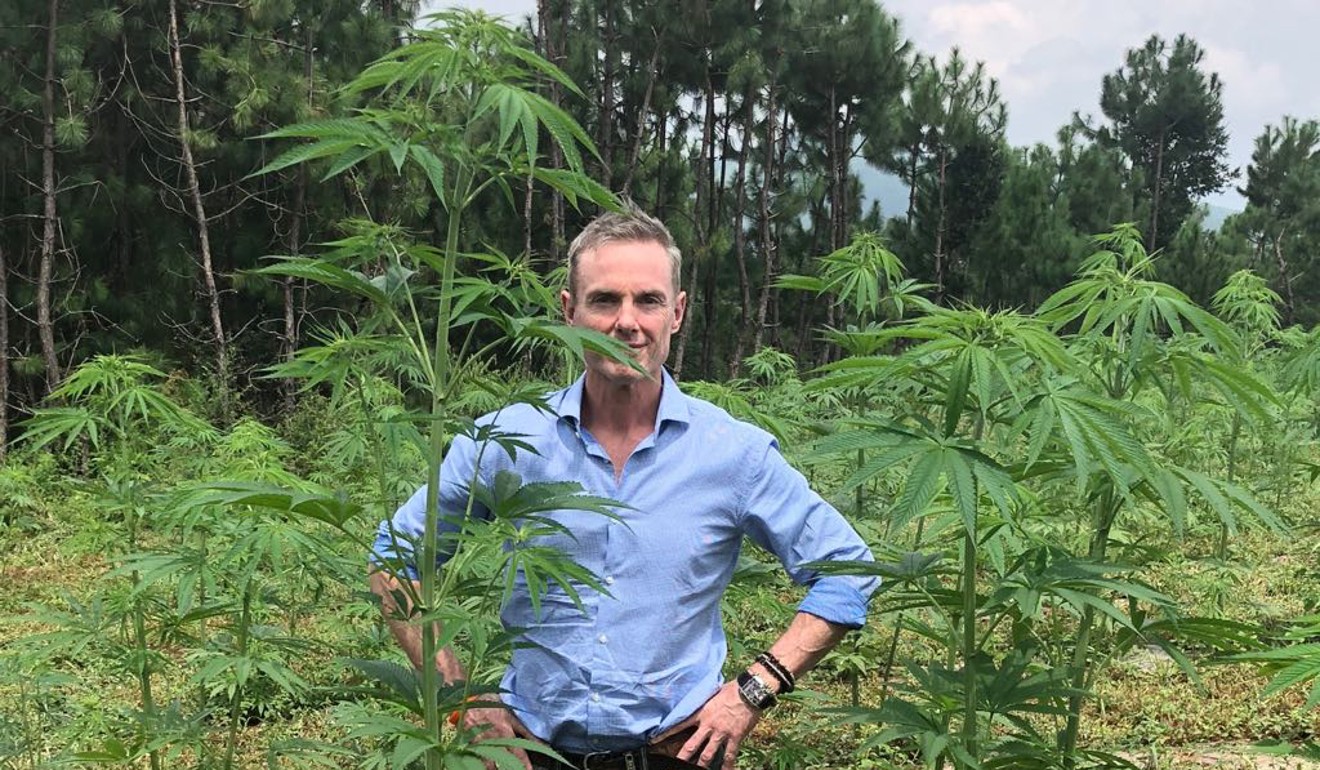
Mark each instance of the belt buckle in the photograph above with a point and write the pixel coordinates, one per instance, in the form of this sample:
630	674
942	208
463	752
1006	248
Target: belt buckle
629	759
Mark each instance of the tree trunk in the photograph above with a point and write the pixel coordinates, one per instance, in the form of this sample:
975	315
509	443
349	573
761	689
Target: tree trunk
710	296
740	235
705	183
199	210
290	339
769	246
289	342
1286	280
551	51
608	46
123	214
713	268
940	266
776	311
50	215
635	155
914	153
804	348
832	147
4	356
840	154
1152	236
662	133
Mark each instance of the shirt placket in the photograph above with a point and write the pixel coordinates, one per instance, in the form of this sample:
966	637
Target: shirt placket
599	711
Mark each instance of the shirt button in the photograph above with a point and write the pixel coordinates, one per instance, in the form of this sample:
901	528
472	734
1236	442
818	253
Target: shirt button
609	580
602	639
595	696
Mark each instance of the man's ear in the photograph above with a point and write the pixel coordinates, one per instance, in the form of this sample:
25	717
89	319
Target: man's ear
566	304
680	310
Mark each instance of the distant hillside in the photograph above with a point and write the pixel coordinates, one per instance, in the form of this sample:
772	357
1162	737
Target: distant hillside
1215	215
892	194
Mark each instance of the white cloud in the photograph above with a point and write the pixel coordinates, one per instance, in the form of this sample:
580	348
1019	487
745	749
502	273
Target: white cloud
988	31
1250	82
1051	56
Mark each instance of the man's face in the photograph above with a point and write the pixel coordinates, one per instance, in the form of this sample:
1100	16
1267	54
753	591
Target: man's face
625	289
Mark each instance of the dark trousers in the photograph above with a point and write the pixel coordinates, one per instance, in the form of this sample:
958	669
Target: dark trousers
634	760
655	757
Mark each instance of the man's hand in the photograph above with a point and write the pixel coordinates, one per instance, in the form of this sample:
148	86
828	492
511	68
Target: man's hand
723	721
499	723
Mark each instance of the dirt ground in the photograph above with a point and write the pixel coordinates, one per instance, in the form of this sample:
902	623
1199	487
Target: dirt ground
1223	758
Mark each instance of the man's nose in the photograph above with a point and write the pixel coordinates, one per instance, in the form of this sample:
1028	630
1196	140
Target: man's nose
626	320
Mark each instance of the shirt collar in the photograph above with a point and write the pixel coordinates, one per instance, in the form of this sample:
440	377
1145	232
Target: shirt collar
673	403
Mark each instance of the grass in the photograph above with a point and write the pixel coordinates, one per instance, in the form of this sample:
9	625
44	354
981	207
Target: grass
1144	707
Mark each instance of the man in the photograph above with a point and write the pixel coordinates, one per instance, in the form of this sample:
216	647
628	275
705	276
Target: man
635	674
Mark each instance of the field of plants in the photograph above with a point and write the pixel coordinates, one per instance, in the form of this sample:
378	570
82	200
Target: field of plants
1094	515
1095	526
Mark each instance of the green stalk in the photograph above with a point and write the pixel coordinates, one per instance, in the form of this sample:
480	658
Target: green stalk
439	439
1221	550
892	655
969	645
29	732
203	641
1104	513
140	645
144	673
236	700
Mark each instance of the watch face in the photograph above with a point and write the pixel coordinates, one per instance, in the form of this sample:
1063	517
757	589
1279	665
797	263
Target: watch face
756	693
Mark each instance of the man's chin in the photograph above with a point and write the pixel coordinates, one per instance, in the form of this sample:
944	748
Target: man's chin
620	372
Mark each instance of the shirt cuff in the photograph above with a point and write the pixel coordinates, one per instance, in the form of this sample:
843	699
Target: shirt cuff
839	600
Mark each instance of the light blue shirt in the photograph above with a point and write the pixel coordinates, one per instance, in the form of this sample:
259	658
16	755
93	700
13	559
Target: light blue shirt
641	659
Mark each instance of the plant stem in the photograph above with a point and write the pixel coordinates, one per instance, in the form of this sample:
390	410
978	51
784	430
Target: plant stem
891	656
1105	510
1221	550
29	733
236	700
144	673
969	642
439	439
140	643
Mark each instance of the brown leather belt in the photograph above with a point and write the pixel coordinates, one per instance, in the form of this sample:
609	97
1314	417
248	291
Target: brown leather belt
659	756
636	759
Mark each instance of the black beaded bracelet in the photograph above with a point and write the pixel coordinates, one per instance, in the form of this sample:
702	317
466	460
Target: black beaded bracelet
778	671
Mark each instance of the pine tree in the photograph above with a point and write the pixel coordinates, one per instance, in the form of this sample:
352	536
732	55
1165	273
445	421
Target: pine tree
1167	116
1282	219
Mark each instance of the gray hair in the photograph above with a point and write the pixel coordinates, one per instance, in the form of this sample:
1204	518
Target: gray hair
632	225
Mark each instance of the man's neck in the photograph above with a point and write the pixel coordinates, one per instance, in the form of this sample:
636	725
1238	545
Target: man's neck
619	409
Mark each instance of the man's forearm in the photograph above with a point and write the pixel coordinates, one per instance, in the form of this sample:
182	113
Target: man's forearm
396	606
801	647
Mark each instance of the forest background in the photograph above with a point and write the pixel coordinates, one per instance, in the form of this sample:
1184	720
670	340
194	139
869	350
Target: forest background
742	125
214	214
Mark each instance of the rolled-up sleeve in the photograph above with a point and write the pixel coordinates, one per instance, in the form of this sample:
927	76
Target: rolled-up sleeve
786	517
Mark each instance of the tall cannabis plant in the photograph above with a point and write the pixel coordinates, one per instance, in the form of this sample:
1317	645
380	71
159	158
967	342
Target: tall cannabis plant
457	105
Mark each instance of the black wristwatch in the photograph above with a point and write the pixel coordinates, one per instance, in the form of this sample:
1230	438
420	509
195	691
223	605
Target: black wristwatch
754	692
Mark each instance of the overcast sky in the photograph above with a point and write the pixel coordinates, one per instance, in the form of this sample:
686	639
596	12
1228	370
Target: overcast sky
1050	55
